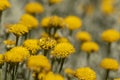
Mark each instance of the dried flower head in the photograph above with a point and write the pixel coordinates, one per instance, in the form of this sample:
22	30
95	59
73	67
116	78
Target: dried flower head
63	50
109	64
85	74
4	4
34	8
73	22
89	47
110	35
29	21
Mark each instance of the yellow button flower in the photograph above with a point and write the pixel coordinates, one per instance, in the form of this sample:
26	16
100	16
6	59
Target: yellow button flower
34	8
4	4
89	47
117	79
18	29
29	21
109	64
63	50
69	71
2	58
31	45
85	74
73	22
38	63
83	36
54	1
62	40
45	22
110	35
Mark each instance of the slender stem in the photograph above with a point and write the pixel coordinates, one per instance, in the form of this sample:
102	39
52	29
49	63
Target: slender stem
109	49
17	40
13	70
52	63
6	67
28	77
107	75
88	57
61	65
45	53
36	76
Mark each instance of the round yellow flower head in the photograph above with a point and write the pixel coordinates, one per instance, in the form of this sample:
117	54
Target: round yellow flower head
4	4
89	47
18	29
85	74
41	76
45	22
109	64
47	43
56	22
34	8
63	50
38	63
69	71
54	1
2	58
31	45
117	79
110	35
83	36
29	21
17	54
73	22
62	39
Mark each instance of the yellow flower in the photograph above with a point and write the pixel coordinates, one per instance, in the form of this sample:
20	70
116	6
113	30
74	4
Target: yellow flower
44	34
117	79
54	1
73	22
17	54
9	42
4	4
69	71
31	45
109	64
85	74
29	21
62	39
34	8
89	47
45	22
47	43
38	63
83	36
110	35
18	29
2	58
63	50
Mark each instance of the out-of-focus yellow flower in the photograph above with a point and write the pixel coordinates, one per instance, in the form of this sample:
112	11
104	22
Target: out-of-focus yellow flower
85	74
18	29
73	22
89	9
109	64
2	58
34	8
47	43
117	79
44	34
63	50
69	71
38	63
16	54
90	47
31	45
29	21
45	22
4	4
9	42
62	40
54	1
110	35
83	36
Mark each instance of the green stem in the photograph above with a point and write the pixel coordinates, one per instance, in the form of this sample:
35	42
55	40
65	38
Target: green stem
88	58
109	49
36	76
61	65
13	71
107	75
17	40
6	67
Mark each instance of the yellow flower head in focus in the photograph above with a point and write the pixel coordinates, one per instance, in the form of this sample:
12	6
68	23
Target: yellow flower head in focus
110	35
2	58
31	45
89	47
63	50
34	8
18	29
17	54
54	1
83	36
4	4
85	74
45	22
117	79
38	63
109	64
73	22
47	43
69	71
29	21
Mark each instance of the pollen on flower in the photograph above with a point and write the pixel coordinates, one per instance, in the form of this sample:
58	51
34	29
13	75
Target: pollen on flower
4	4
63	50
109	64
